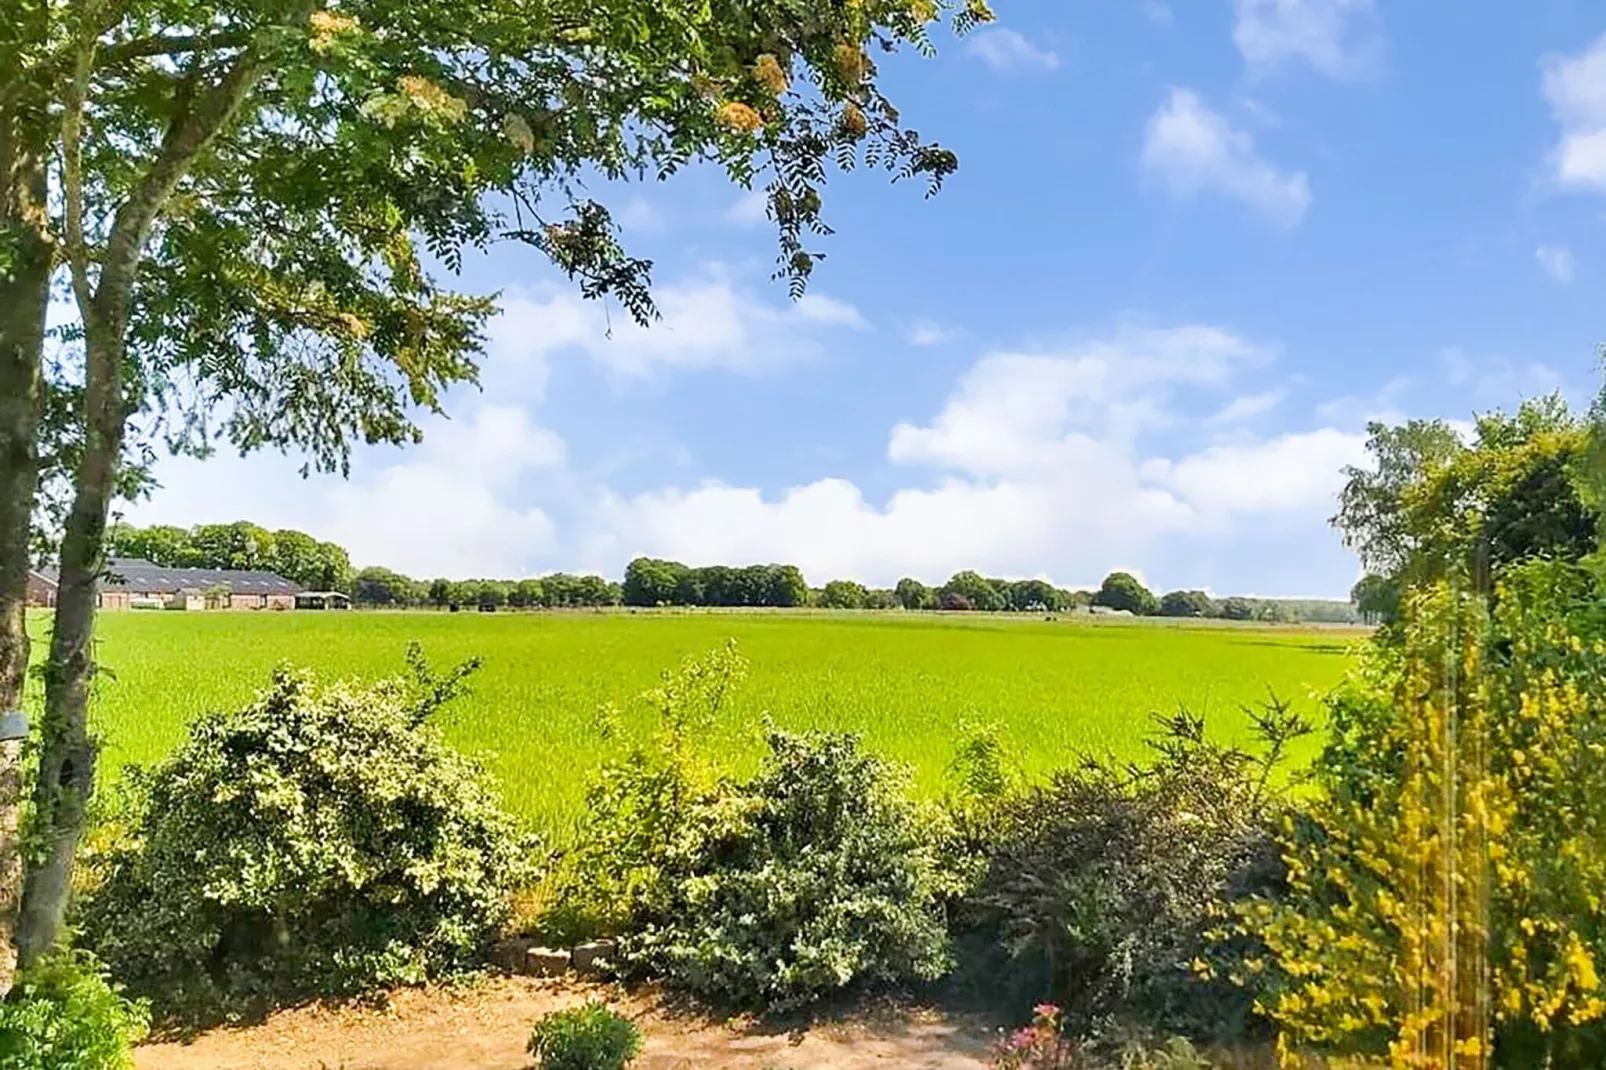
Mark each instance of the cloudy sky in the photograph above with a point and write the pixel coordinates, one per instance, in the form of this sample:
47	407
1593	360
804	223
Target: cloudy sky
1190	250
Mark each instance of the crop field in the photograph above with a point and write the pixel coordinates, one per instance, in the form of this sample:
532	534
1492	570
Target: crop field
908	683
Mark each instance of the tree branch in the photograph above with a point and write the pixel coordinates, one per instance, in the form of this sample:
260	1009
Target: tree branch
72	165
193	128
121	52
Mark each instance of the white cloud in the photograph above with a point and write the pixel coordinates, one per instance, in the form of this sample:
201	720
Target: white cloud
818	308
1575	87
706	323
1038	463
1247	407
749	210
639	215
444	509
1557	260
927	333
1339	38
1496	380
1157	13
1289	472
1192	149
1008	52
1354	412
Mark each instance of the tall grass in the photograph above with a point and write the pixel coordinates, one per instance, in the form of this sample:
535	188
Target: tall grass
909	683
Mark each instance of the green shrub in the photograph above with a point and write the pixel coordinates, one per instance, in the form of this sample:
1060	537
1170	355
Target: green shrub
588	1037
815	875
321	841
63	1015
1103	890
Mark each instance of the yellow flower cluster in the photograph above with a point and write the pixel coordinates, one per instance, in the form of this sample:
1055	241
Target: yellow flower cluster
1462	894
326	26
739	117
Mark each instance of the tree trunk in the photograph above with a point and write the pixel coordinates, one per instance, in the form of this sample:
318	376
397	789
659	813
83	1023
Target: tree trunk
67	754
24	296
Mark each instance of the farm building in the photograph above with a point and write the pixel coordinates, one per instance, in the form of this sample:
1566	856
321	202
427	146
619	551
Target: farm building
41	589
322	600
134	584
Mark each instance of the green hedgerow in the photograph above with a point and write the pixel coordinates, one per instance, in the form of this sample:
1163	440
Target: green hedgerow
62	1014
321	841
588	1037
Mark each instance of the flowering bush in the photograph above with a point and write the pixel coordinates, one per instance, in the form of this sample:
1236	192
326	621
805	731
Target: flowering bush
1444	902
322	840
1042	1045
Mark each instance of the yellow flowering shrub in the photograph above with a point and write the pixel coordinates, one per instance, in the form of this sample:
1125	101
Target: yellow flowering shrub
1444	904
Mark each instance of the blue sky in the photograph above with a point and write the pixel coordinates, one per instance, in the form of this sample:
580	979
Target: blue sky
1190	250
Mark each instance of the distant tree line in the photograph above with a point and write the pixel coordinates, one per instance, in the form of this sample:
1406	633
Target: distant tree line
652	581
657	582
243	546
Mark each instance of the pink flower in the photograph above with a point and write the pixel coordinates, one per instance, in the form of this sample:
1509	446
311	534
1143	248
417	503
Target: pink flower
1023	1038
1046	1010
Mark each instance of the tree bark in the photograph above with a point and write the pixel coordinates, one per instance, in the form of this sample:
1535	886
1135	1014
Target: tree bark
67	758
67	752
26	258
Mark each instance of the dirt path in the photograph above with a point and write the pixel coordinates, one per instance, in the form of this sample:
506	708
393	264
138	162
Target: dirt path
485	1028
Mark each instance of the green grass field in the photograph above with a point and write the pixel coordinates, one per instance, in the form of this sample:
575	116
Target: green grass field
907	683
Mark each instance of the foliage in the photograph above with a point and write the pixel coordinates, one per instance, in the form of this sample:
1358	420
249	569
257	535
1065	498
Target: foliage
813	876
1034	596
587	1037
1432	506
1121	590
912	594
63	1014
1104	888
954	602
1185	604
1444	885
1377	598
319	566
652	582
977	591
322	840
1044	1045
844	594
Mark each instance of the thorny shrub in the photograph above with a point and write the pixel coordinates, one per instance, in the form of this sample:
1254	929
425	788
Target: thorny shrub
1105	890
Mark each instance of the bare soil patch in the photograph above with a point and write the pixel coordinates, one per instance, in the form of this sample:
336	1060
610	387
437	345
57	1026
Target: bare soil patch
485	1027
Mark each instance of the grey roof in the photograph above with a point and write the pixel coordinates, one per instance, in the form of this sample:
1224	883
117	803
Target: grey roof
141	577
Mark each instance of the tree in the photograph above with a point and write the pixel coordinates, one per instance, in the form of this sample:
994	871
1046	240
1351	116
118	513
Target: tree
1236	608
440	593
1035	596
527	594
843	594
912	594
1121	590
493	594
1185	604
954	602
649	582
978	593
381	587
1377	598
240	205
161	544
